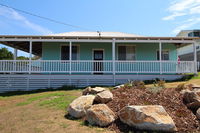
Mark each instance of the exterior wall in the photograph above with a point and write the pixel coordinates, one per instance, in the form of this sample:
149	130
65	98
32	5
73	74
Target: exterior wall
144	51
21	82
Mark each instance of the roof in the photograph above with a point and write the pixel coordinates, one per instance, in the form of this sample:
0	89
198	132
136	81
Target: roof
96	34
184	33
22	41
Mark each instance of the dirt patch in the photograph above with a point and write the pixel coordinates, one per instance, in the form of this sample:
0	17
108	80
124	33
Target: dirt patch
33	118
170	99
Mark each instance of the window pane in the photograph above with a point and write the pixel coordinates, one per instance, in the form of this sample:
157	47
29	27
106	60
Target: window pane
121	52
165	55
130	55
65	53
74	52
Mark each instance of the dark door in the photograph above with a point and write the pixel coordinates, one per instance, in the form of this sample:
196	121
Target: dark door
98	61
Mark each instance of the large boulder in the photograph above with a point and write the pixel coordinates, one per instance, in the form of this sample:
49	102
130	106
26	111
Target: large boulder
151	117
79	106
192	98
198	113
93	91
100	115
104	97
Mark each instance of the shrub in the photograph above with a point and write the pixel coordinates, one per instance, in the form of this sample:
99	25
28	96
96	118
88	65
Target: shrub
138	84
181	87
159	83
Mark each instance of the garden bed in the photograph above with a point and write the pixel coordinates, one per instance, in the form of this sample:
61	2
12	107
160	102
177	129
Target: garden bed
170	99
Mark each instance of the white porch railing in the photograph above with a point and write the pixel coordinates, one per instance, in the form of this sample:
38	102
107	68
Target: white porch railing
90	66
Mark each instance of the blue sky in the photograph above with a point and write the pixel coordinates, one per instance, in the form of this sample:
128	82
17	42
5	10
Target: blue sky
143	17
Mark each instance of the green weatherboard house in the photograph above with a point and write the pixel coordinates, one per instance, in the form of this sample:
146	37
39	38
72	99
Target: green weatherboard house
92	58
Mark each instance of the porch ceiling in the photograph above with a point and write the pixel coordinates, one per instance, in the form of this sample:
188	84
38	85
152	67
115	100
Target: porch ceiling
24	46
22	42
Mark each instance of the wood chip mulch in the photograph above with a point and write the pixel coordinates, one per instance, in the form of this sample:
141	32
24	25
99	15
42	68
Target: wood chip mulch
170	99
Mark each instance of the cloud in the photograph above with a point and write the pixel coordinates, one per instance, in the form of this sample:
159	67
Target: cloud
190	9
173	16
186	25
13	15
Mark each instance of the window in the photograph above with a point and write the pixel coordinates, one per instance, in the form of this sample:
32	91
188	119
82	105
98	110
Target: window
65	52
164	54
126	52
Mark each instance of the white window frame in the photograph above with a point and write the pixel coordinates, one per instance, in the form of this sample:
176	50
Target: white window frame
98	49
78	57
161	53
126	45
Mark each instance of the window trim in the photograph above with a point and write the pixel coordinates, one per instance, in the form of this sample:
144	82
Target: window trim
162	50
98	49
78	45
125	45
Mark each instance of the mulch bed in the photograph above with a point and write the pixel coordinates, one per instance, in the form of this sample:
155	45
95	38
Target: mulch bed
170	99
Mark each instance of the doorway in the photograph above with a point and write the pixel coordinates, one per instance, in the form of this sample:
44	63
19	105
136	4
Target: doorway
98	61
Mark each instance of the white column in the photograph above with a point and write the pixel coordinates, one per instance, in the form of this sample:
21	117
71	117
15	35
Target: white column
195	58
15	58
113	59
113	55
160	55
70	57
15	53
30	55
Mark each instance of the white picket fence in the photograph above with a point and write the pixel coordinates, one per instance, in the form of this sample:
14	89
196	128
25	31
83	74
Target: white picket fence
91	66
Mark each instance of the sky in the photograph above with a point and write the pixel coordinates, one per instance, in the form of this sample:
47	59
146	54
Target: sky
142	17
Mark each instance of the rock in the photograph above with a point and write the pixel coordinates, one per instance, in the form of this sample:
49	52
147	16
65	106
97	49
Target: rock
150	117
93	91
104	97
79	106
192	98
198	114
119	86
100	115
195	86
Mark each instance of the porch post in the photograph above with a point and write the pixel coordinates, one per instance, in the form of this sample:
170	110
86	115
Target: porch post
160	55
113	59
70	57
195	58
15	53
15	58
30	56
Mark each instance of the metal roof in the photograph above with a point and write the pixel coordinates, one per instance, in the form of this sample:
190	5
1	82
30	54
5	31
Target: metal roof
96	34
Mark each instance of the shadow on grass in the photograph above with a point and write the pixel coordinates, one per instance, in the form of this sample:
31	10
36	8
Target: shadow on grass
69	117
15	93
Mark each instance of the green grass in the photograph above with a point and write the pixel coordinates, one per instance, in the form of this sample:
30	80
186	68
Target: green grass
197	77
58	100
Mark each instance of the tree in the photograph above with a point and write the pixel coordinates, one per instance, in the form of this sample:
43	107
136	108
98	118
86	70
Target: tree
5	54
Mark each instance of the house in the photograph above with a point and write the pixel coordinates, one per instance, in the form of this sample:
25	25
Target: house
92	58
186	53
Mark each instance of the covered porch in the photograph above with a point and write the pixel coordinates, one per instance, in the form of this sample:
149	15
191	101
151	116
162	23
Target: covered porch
98	63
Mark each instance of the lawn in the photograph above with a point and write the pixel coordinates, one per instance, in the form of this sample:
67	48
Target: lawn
40	112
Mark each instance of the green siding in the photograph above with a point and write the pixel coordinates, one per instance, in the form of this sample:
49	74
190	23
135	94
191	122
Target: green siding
144	51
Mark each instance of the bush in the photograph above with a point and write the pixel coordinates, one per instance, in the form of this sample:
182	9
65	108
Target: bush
181	87
159	83
135	84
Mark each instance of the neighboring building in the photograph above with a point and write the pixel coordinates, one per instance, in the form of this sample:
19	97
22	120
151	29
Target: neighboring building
187	52
92	58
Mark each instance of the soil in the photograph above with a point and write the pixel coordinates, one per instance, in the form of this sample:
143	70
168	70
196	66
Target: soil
32	118
170	99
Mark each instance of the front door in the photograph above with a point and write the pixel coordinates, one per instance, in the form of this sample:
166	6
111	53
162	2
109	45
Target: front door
98	61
